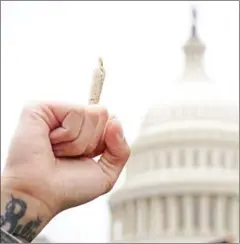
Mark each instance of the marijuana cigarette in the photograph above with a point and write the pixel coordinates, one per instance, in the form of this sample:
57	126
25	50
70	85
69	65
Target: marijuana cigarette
97	83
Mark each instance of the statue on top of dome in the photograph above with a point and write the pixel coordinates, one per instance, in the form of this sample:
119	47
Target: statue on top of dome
194	22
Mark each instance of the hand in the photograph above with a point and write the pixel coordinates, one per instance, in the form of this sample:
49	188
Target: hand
50	166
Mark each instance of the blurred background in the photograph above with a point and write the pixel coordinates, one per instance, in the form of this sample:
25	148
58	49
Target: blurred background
182	119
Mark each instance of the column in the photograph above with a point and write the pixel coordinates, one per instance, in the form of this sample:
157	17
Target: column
156	216
181	216
117	234
234	215
188	210
130	219
113	219
142	220
220	214
164	214
124	219
204	214
172	215
117	223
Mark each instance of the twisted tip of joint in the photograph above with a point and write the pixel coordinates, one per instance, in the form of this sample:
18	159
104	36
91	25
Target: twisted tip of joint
100	60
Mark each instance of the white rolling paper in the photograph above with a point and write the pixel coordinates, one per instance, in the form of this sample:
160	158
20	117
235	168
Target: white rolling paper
97	84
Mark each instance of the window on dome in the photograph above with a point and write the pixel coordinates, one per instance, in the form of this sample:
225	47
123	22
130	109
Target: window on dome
181	158
168	159
222	159
155	160
196	158
235	160
160	159
209	158
136	164
140	164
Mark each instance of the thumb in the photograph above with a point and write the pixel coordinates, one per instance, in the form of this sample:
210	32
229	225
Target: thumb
116	153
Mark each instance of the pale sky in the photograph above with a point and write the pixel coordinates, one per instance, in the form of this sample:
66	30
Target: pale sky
49	50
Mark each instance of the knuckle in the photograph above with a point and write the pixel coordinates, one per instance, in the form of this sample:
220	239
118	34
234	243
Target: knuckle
98	110
76	148
127	153
69	134
72	125
91	147
103	113
35	108
109	185
30	107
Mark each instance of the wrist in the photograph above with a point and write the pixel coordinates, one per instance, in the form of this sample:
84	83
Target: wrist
22	215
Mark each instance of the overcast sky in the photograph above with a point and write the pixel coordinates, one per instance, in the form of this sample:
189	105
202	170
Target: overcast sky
49	49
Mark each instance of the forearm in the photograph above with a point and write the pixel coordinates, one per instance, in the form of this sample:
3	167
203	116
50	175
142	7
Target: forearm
22	216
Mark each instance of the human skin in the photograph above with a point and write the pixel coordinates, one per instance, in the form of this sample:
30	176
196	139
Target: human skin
51	167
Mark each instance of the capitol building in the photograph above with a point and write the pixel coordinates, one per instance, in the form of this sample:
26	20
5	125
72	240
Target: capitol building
182	183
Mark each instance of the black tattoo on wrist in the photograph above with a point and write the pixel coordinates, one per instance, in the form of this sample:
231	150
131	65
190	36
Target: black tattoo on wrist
14	211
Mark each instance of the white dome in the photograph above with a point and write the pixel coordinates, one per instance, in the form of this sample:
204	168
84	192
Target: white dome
194	98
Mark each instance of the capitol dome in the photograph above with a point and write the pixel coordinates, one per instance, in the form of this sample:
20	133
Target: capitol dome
194	98
182	183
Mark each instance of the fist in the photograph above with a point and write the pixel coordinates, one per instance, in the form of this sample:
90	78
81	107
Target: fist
51	157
